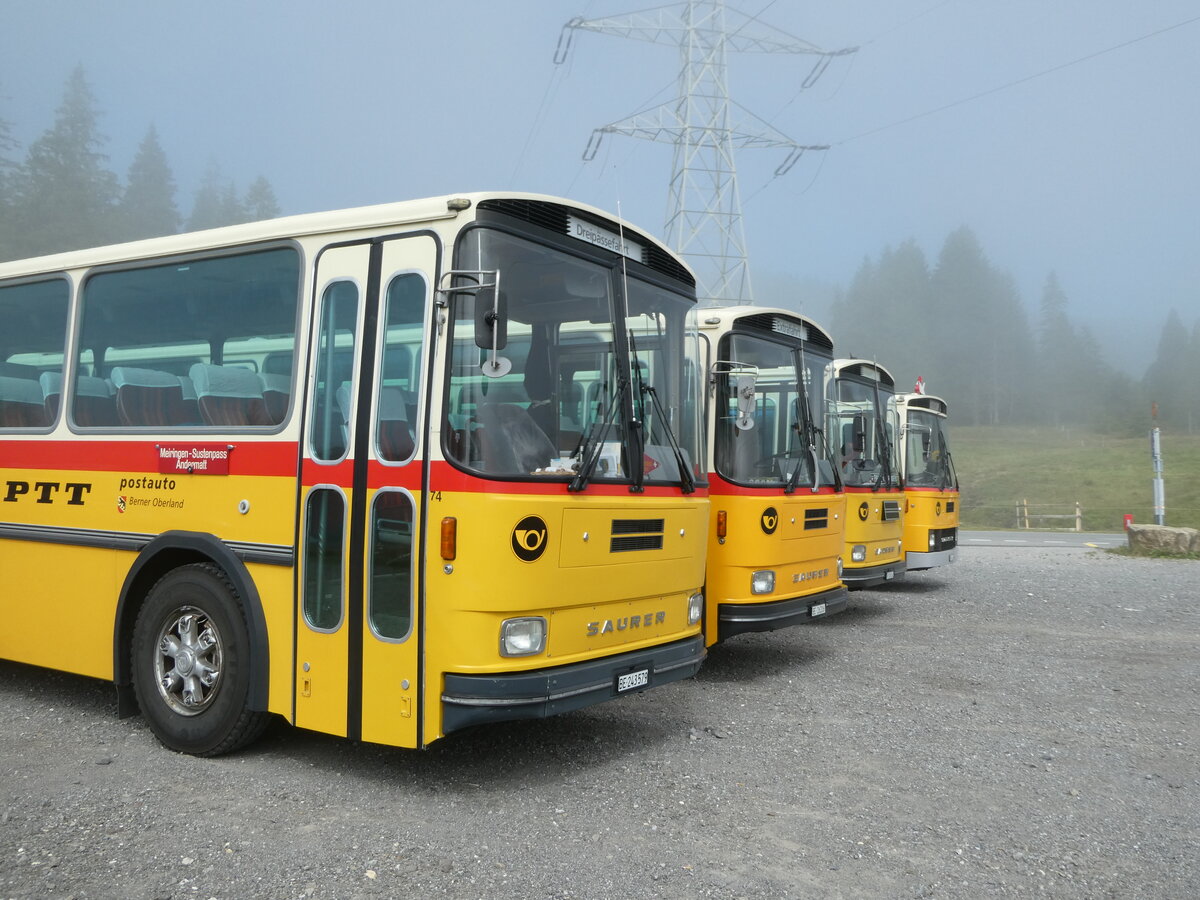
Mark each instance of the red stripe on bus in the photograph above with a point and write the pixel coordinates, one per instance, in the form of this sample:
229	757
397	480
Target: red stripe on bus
719	487
445	477
81	455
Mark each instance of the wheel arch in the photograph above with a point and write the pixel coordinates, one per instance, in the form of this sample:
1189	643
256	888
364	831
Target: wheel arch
171	550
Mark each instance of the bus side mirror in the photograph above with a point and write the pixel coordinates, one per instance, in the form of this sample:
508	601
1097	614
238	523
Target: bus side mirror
491	328
745	402
491	319
860	434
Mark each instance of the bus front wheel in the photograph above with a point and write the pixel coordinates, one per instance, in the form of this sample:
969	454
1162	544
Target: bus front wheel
191	663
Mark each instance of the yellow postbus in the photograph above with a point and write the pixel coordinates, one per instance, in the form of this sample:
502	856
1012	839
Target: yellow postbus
386	472
862	431
777	519
930	482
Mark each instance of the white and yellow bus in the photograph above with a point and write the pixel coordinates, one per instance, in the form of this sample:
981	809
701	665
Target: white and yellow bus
930	483
777	520
862	430
386	472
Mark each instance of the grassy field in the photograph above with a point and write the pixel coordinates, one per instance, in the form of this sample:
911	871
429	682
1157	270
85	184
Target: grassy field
1054	469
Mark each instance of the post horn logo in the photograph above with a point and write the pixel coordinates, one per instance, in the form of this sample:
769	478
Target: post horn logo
864	510
529	538
769	520
937	509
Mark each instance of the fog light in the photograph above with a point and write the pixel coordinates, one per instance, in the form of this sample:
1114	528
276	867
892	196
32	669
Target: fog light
858	553
695	608
522	637
762	582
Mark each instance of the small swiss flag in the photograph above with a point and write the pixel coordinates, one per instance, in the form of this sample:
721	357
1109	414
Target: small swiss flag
919	387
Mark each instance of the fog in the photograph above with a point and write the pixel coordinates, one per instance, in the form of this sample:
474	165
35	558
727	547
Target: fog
1063	134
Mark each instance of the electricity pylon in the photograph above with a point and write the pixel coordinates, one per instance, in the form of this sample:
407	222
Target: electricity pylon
704	218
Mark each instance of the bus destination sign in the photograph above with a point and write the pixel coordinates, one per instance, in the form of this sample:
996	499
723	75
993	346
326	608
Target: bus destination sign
193	459
585	231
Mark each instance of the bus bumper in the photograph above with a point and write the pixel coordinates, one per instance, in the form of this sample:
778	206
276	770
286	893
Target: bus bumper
481	699
870	576
918	561
739	618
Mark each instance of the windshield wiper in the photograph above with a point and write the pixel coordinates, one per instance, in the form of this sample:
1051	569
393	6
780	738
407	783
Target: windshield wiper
947	481
810	434
687	483
885	455
591	444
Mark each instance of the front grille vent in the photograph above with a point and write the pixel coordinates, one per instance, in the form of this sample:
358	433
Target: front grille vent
816	518
636	534
891	510
949	506
547	215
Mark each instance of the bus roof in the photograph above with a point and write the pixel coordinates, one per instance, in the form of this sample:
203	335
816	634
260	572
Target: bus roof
340	221
864	368
769	318
927	402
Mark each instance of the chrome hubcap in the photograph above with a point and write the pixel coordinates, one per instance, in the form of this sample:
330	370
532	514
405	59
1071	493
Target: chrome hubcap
187	666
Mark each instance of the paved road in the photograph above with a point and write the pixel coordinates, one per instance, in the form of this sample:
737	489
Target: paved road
1063	539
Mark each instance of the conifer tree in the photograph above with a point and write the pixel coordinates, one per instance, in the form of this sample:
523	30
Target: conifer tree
8	147
148	205
1168	380
216	202
1193	380
1055	345
985	339
259	202
65	197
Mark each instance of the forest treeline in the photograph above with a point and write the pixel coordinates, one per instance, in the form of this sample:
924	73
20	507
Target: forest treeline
961	324
59	194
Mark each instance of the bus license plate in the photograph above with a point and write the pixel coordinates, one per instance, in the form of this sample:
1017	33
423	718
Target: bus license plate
818	609
631	680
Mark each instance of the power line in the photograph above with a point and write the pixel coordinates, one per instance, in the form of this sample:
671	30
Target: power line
1017	82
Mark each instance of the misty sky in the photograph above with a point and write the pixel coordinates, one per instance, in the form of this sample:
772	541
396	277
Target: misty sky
1090	170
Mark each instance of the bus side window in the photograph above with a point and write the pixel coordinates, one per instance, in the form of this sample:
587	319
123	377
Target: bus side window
400	374
335	365
324	537
181	342
391	564
33	332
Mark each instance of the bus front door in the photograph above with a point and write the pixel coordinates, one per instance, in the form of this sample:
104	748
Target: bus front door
358	621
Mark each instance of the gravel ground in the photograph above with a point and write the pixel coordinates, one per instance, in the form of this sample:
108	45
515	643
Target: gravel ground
1020	724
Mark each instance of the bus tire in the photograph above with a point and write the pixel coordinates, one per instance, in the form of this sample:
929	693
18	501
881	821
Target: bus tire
191	663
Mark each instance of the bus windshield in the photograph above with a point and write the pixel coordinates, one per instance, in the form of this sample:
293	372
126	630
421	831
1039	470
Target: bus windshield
575	397
863	434
927	461
783	444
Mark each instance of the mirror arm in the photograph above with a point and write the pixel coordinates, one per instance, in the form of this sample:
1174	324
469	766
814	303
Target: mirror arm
496	365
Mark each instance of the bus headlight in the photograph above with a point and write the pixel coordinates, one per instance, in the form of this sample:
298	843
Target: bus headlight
840	564
932	540
858	553
522	637
762	582
695	608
